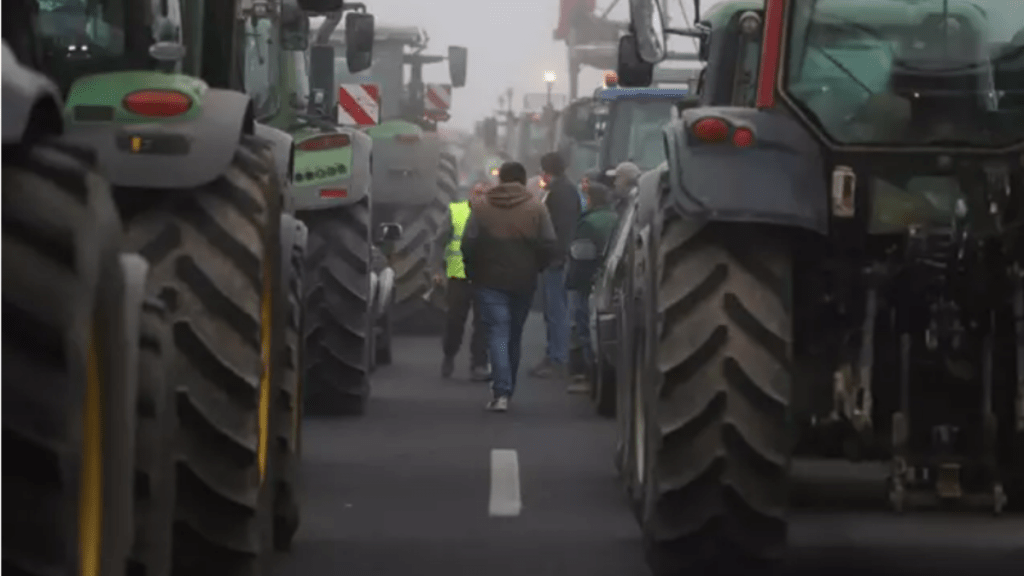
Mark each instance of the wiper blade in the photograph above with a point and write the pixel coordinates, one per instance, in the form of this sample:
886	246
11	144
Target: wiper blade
845	70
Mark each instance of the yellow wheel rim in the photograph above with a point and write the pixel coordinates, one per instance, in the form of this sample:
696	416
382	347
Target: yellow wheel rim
266	308
90	498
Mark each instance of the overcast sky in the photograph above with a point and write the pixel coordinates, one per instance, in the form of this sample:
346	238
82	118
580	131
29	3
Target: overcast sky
510	45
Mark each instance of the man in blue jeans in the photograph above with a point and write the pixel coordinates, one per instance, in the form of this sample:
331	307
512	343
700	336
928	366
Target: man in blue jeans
507	241
563	204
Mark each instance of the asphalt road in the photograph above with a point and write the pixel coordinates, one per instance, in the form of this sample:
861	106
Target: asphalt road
429	483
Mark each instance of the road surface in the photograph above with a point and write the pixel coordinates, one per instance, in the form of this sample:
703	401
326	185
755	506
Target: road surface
429	483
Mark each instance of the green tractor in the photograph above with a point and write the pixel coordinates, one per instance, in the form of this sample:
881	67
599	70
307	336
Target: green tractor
148	97
830	261
414	177
347	290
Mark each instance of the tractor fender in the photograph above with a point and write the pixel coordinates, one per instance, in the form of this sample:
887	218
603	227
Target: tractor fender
202	147
284	155
779	179
26	92
385	288
356	183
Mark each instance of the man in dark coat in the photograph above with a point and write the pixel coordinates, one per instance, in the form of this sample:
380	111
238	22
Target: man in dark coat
563	204
508	241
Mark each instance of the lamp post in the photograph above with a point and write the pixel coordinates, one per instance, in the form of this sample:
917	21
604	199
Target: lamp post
549	78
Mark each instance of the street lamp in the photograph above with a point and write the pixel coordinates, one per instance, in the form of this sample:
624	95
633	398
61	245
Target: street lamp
549	78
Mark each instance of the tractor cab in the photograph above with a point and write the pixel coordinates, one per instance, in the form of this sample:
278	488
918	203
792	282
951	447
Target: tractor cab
630	122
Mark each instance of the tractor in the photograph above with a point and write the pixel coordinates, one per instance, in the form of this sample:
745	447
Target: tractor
331	196
414	177
127	132
830	261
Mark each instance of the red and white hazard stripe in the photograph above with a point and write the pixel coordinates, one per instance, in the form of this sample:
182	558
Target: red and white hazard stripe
438	97
358	104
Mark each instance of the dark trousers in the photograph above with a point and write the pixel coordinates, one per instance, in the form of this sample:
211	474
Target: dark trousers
460	300
504	314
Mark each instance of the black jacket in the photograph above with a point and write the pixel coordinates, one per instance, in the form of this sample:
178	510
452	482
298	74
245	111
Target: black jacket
563	204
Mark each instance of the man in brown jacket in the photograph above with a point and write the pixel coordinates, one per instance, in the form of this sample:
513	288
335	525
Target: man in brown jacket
508	241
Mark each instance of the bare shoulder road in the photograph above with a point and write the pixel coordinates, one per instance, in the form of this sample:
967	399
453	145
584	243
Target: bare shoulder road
429	483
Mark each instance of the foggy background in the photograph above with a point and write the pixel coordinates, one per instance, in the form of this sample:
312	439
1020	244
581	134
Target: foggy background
510	45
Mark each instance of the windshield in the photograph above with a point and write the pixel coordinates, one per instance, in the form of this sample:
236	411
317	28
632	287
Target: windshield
260	66
910	72
79	37
581	159
635	131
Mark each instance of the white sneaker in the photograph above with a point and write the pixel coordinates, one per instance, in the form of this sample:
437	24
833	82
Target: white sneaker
499	404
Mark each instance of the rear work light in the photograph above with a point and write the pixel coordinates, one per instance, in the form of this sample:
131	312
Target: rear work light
717	130
157	103
334	193
407	138
324	143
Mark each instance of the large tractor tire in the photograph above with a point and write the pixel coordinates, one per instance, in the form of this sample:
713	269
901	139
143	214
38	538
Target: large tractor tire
716	393
411	257
155	448
213	253
338	327
288	403
69	335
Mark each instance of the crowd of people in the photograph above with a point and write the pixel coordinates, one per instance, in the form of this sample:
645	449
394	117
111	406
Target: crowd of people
513	240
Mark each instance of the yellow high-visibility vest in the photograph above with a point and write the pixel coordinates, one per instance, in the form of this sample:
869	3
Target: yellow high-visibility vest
453	254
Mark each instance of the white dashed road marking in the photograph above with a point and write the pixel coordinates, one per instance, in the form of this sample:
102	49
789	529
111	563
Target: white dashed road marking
505	497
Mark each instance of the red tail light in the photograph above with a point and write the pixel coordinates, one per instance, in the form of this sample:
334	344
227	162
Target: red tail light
157	103
770	52
322	143
407	138
743	137
334	193
711	130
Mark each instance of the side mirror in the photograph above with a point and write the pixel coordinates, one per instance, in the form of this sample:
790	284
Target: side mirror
389	232
631	69
647	23
294	29
359	34
457	59
321	77
321	5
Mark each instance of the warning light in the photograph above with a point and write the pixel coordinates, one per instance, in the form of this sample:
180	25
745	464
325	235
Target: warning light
611	79
136	144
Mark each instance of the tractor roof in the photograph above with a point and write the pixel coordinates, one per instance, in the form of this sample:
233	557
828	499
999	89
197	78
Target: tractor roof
641	93
867	11
406	35
720	14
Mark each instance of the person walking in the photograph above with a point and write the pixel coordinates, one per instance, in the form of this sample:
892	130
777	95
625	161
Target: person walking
459	293
563	204
508	240
586	254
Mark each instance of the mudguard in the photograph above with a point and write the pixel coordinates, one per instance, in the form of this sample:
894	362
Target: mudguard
284	152
405	173
182	154
356	182
780	179
385	288
23	90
